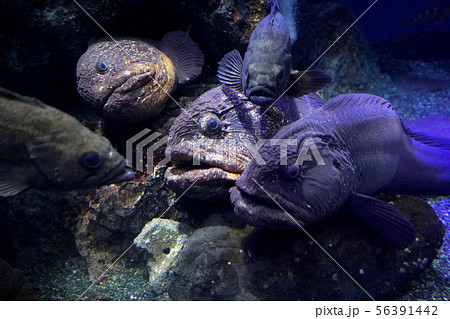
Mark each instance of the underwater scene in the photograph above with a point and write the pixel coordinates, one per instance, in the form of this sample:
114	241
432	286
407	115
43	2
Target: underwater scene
225	150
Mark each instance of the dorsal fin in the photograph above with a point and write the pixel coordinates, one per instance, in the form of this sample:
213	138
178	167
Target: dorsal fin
256	127
440	142
232	95
435	140
354	99
7	94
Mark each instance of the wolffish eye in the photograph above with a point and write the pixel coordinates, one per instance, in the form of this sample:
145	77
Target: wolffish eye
101	67
211	123
91	160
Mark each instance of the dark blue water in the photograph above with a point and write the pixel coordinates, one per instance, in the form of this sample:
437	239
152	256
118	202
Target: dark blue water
389	18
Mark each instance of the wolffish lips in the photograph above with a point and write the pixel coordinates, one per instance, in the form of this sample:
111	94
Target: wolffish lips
261	95
210	183
208	177
259	212
134	82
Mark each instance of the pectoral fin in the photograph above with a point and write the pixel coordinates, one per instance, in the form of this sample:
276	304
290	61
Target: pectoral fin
305	82
12	179
387	221
230	69
184	54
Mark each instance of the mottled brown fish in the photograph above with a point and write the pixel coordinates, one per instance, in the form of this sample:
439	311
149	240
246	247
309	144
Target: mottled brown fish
129	81
44	148
212	143
207	144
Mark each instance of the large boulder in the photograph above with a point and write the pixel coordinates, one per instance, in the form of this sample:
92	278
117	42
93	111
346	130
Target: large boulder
222	263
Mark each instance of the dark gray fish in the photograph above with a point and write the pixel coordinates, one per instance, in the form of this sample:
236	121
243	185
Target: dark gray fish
129	82
44	148
265	72
218	134
365	148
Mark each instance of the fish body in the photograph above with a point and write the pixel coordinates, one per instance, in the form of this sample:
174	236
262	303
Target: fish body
44	148
130	80
212	142
352	147
265	72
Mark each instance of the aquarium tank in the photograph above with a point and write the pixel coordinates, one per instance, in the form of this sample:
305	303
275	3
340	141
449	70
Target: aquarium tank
224	150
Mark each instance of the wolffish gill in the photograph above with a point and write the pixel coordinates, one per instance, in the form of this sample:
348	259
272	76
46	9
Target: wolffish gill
361	147
130	80
44	148
212	142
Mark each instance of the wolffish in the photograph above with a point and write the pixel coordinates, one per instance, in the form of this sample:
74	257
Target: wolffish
265	72
130	80
44	148
209	142
364	148
212	142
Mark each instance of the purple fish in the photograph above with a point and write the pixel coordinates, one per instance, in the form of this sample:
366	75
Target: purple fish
335	158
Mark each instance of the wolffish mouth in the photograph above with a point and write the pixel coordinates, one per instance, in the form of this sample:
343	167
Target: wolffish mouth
261	95
260	211
204	181
133	83
201	174
137	76
257	201
204	184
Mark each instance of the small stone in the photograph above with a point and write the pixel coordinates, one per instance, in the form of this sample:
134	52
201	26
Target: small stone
163	239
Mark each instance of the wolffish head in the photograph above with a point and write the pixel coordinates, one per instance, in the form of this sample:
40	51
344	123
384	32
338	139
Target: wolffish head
73	157
125	80
210	144
267	62
305	174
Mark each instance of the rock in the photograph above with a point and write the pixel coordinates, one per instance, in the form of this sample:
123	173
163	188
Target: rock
211	267
38	226
116	215
163	239
230	23
13	284
222	263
